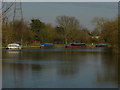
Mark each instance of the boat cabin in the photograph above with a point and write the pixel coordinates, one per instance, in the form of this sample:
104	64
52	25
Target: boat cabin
101	45
14	46
47	45
76	45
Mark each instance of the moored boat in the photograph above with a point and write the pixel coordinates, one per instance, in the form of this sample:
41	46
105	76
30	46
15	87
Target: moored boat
14	46
101	45
76	45
47	45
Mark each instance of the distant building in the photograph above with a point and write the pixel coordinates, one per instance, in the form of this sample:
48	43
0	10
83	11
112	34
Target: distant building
94	36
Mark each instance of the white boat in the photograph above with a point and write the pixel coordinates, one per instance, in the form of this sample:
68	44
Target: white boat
14	46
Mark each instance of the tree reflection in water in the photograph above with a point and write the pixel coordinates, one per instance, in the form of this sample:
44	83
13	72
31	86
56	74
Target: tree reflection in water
109	70
35	68
72	62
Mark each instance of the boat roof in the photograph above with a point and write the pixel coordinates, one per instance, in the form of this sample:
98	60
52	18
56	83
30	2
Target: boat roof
13	44
46	44
78	43
101	44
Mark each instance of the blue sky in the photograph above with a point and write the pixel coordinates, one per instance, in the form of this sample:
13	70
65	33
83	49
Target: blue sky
84	12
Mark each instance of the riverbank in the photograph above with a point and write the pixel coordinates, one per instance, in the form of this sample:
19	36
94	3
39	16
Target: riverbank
55	46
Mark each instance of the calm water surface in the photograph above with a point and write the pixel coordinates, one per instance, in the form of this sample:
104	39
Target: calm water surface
59	68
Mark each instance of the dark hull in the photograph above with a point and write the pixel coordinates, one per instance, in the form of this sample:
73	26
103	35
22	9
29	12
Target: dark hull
75	46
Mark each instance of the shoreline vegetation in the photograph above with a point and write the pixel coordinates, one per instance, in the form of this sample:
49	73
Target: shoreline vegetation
114	50
54	45
68	30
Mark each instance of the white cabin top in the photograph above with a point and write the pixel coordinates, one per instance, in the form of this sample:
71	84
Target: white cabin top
14	44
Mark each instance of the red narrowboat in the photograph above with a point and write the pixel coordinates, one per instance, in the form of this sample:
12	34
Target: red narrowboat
76	45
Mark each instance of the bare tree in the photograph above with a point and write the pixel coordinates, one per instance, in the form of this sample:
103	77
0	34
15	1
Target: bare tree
99	22
69	25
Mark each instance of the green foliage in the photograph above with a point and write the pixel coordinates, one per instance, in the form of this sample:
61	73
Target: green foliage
46	34
36	25
36	28
68	30
7	34
83	36
16	31
109	32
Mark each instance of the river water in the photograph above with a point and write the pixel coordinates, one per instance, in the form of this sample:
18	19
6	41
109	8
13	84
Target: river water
59	68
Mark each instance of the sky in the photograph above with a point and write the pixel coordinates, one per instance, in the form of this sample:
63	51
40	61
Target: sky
83	11
63	0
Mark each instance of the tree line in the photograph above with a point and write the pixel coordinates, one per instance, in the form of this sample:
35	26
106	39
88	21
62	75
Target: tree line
67	30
